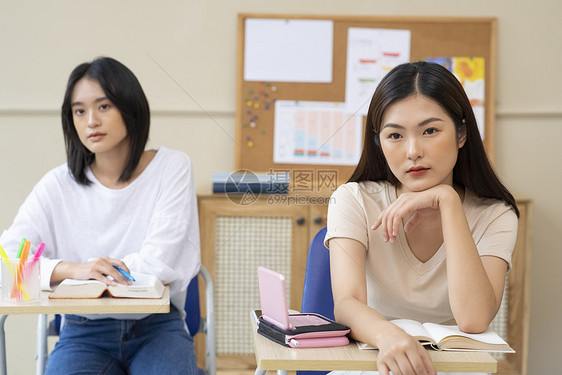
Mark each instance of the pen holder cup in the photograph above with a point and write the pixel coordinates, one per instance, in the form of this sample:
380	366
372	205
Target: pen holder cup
20	281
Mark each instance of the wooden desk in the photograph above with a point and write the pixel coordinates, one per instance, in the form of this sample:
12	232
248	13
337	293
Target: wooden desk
272	356
104	305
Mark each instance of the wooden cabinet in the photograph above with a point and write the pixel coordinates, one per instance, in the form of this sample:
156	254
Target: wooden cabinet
518	298
238	234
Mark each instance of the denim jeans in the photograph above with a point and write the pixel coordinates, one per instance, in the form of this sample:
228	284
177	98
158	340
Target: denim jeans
158	344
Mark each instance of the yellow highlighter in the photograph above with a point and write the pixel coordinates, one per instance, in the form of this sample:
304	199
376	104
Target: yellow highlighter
3	253
18	286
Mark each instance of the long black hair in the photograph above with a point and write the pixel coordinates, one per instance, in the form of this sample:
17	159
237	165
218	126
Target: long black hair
123	89
472	169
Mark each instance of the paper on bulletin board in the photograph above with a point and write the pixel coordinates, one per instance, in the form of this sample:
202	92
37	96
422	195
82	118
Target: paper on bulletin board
320	133
371	53
279	50
471	73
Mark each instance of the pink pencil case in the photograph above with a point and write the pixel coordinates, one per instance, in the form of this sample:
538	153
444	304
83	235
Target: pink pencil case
319	342
307	336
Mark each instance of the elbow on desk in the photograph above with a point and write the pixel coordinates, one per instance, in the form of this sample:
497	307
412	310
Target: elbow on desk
473	325
476	321
337	313
340	313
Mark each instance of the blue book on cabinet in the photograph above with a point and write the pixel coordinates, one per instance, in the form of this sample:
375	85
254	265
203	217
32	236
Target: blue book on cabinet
242	182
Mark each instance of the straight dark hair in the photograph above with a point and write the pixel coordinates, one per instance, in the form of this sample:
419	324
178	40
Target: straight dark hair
472	170
123	89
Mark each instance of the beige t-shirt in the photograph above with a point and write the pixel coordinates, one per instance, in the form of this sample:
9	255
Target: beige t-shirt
398	284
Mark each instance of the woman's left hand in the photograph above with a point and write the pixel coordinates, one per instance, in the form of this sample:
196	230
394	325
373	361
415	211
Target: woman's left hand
412	206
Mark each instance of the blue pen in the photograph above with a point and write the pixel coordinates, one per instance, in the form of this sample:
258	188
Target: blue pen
125	273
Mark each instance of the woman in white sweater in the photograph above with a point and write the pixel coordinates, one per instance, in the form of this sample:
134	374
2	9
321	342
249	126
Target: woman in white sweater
114	204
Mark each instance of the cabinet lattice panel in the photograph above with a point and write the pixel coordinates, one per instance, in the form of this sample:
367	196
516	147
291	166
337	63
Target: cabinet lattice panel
241	245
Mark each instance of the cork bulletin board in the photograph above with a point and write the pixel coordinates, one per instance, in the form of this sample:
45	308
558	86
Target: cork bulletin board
429	37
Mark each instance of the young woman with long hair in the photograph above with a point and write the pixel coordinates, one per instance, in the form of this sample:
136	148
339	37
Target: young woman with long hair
424	229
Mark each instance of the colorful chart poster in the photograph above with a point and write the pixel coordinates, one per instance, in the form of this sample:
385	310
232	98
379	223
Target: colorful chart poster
371	53
309	132
470	72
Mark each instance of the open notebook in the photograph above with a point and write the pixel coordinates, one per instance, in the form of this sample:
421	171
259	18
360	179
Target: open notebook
449	337
145	286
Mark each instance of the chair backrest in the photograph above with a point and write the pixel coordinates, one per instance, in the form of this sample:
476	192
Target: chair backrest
317	294
205	325
192	309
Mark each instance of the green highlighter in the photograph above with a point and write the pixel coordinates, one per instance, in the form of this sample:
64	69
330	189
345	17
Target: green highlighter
21	247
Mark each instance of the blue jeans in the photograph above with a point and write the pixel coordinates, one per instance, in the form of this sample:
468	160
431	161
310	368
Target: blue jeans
158	344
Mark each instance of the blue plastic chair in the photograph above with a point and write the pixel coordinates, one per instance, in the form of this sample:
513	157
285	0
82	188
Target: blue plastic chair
317	294
195	322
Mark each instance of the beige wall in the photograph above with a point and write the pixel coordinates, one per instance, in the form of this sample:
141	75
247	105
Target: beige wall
194	41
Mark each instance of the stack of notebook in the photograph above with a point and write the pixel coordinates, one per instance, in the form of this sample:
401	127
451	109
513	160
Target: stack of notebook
242	182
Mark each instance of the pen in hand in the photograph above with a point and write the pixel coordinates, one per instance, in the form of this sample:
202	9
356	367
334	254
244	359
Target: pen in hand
124	273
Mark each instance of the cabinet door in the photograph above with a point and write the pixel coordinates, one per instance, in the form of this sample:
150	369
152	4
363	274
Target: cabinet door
317	220
235	240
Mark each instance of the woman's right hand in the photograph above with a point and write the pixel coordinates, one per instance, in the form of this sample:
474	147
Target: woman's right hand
93	269
402	354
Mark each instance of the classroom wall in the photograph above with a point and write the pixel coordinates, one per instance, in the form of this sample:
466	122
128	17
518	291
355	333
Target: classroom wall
184	54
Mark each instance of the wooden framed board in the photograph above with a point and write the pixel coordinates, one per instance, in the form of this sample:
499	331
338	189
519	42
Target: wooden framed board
430	37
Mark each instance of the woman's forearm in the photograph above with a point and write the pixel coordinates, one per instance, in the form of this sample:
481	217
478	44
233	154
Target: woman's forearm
471	293
366	324
62	271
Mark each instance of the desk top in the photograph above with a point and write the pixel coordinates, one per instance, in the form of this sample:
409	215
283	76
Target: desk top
103	305
272	356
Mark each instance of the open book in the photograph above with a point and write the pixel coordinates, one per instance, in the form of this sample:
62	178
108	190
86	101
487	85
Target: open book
446	337
145	286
